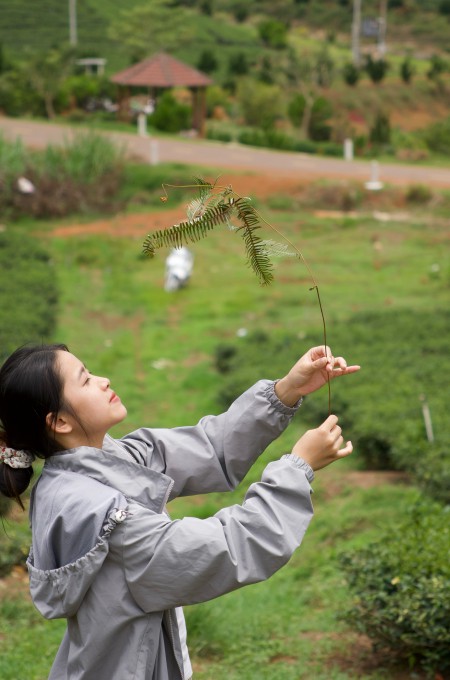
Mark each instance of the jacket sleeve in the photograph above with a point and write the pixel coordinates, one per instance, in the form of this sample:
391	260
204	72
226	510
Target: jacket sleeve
171	563
215	454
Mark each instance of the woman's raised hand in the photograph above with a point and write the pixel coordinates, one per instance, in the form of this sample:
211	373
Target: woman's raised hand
311	372
322	446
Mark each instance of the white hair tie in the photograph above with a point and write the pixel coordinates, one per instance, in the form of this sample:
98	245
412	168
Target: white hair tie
15	459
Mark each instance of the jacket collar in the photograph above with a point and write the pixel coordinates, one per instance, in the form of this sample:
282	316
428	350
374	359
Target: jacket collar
134	481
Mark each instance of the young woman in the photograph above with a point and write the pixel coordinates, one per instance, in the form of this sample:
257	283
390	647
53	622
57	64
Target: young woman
105	555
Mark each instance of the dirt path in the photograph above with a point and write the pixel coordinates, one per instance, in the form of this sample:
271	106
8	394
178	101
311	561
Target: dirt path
296	165
139	224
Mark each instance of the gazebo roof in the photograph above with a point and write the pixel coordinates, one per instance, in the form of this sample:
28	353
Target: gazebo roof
161	70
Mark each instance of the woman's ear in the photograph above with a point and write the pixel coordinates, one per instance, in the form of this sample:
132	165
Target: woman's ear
58	423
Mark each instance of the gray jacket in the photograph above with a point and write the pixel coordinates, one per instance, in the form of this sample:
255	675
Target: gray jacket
106	556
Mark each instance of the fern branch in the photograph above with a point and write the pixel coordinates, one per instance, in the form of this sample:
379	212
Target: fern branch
190	231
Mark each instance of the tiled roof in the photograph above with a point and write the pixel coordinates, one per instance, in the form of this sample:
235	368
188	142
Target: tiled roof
161	70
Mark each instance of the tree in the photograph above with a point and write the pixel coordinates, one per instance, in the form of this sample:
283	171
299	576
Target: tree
351	73
325	68
207	61
238	64
376	68
152	27
407	70
260	104
444	7
304	73
273	33
47	71
380	132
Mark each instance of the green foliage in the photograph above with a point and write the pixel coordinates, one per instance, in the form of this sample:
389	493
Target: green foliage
384	414
376	68
407	70
207	61
351	73
171	115
401	589
380	131
46	71
28	292
437	137
238	64
14	546
5	505
321	112
444	8
418	194
273	33
438	66
84	173
261	104
151	27
17	98
207	212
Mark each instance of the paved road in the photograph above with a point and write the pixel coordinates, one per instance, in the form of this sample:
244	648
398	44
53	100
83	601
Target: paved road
38	135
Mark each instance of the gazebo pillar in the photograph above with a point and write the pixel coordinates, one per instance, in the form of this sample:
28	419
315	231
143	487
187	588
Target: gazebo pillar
199	110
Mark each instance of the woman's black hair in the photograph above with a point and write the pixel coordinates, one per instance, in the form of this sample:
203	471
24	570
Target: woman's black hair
31	387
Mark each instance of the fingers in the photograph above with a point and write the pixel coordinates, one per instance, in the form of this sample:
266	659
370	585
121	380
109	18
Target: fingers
348	448
329	423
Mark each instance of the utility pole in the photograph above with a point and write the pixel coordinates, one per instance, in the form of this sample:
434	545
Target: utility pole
73	22
382	29
356	31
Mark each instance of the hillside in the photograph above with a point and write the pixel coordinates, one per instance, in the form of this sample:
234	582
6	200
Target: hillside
416	26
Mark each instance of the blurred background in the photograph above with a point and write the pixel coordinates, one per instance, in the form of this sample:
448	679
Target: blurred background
333	117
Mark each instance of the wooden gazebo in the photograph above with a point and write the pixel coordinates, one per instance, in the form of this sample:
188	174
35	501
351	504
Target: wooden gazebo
162	71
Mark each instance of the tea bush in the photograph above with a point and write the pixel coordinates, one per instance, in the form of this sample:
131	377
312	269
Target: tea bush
384	413
401	589
28	292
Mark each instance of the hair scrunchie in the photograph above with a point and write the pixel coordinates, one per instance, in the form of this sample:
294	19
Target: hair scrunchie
15	459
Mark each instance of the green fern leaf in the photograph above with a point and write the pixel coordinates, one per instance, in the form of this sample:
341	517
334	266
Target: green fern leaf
276	249
190	231
257	256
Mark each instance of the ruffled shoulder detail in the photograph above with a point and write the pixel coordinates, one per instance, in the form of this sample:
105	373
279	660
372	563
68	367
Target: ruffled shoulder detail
58	593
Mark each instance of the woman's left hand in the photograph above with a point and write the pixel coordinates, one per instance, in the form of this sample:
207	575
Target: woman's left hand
310	373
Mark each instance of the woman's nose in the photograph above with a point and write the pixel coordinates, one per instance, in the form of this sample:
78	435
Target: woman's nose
105	383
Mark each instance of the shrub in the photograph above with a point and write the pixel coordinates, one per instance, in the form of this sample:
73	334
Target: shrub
401	589
418	194
444	7
407	70
170	115
28	292
261	104
438	66
351	74
238	64
219	135
14	551
273	33
207	61
84	173
437	137
322	110
17	98
376	69
380	132
377	339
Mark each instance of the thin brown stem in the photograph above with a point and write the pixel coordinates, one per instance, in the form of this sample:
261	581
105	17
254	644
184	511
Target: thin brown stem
229	190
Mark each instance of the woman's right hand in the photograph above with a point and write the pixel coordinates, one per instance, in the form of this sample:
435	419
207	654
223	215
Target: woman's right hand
321	446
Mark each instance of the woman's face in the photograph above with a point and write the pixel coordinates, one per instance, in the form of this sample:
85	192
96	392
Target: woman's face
95	404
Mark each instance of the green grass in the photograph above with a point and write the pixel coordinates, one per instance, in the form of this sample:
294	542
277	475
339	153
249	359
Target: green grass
116	316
